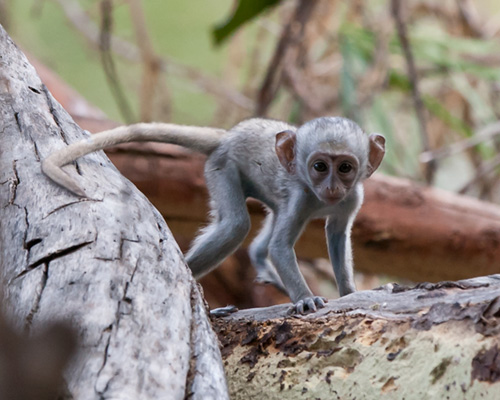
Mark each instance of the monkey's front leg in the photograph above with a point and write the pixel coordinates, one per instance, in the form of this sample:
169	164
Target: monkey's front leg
286	231
338	233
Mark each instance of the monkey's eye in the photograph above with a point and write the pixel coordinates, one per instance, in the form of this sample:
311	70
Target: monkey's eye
345	168
320	166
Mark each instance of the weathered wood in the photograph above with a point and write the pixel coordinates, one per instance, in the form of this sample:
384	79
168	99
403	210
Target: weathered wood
435	341
107	264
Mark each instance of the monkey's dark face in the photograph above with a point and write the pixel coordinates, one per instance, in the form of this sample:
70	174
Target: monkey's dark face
332	175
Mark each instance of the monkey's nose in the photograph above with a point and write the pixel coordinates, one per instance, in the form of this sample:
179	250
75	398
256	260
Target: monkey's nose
334	192
332	195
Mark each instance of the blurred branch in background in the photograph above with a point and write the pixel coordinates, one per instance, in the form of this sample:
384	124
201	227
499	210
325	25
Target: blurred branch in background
484	135
288	51
152	86
108	62
430	167
130	52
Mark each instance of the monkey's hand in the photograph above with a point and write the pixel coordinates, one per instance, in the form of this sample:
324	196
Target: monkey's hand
308	305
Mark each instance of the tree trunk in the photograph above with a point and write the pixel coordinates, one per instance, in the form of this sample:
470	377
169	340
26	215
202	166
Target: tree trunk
107	264
435	341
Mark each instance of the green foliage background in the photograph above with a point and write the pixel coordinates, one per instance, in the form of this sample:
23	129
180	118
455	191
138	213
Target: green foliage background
181	29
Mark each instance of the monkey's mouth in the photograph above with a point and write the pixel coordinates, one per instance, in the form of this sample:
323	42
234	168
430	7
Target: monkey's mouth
331	200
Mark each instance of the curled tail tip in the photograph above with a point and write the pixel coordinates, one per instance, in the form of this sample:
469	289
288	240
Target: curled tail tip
77	190
56	174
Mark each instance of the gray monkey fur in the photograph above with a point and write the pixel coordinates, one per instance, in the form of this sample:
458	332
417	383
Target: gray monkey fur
241	163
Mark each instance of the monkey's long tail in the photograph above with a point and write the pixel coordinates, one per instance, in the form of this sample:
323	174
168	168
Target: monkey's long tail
201	139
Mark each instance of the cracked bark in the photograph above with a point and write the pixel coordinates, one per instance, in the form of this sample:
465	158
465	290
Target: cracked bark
108	265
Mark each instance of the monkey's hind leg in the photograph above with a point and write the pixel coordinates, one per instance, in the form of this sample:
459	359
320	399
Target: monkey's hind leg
230	221
259	251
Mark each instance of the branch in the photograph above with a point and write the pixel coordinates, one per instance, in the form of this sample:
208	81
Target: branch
108	63
486	168
487	133
430	168
289	41
130	52
151	82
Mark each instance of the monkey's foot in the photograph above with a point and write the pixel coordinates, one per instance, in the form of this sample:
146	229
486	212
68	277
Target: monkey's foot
266	276
223	311
308	305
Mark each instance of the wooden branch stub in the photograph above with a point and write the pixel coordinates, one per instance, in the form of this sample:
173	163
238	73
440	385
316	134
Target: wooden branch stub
431	341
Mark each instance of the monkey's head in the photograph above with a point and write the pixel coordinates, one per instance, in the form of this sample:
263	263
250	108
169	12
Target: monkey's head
330	155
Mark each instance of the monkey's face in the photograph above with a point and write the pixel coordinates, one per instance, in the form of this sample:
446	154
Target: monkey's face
332	175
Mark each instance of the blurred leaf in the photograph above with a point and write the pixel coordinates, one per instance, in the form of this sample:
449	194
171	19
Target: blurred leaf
437	109
347	85
446	53
244	12
482	112
455	43
398	81
361	39
295	113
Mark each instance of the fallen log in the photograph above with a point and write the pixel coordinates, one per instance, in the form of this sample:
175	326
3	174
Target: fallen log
434	341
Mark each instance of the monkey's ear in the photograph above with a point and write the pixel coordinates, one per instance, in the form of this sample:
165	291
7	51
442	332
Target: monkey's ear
376	154
285	149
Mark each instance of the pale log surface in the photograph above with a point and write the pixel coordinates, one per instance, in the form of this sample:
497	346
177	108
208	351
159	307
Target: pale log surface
108	264
434	341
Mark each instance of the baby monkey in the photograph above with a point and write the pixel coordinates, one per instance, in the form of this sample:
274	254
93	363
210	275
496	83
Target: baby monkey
314	171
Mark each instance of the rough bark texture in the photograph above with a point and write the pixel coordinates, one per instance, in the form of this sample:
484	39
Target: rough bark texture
108	264
435	341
